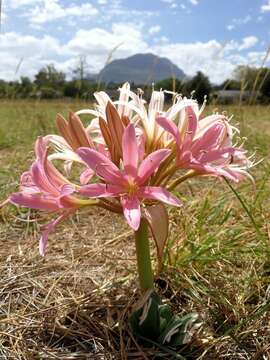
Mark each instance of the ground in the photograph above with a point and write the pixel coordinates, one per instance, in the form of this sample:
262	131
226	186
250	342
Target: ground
74	303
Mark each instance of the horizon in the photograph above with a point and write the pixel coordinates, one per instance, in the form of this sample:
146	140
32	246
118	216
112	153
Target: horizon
37	32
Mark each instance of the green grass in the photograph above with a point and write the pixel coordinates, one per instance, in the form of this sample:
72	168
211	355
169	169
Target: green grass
217	259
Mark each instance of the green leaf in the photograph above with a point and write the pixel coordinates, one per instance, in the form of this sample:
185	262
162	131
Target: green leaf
180	330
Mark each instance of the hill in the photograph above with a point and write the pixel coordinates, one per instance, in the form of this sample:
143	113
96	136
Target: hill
140	69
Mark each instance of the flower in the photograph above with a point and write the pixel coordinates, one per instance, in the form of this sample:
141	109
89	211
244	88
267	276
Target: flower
132	106
130	183
74	136
206	145
45	188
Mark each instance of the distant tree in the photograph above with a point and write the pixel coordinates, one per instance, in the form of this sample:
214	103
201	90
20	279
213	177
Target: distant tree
80	76
264	84
170	84
3	89
26	87
71	89
256	80
230	84
200	84
246	75
50	82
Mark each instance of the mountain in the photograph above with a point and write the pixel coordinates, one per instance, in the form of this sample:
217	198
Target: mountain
140	69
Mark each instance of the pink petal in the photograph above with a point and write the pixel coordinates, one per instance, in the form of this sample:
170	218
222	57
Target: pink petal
67	189
150	164
218	154
100	164
40	148
41	180
132	211
130	151
49	228
100	190
232	174
158	193
209	140
192	124
141	146
170	126
46	169
39	202
157	218
65	200
27	185
86	176
54	176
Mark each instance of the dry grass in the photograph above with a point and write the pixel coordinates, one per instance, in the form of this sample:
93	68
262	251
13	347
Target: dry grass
74	304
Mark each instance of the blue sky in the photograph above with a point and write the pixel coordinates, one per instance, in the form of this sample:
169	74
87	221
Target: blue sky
213	36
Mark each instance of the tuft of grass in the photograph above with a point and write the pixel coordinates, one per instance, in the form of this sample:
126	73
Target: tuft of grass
74	303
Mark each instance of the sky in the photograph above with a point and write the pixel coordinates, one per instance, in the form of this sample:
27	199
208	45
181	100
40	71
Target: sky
213	36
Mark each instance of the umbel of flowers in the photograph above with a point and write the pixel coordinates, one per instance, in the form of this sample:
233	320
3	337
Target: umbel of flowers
132	156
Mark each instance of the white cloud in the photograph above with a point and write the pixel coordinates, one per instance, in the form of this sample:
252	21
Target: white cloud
213	58
256	58
50	10
230	27
266	7
102	2
98	43
248	42
161	40
192	57
32	52
235	46
194	2
154	29
236	22
172	3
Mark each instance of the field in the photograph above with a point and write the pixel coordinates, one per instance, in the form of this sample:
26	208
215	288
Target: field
74	303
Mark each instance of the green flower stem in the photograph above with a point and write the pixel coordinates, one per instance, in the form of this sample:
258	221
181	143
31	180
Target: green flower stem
146	278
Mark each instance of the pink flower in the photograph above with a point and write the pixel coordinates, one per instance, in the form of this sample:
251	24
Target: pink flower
45	188
208	150
130	184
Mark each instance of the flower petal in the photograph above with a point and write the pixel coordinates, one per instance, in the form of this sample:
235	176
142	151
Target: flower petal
50	227
150	164
130	151
209	140
101	165
157	218
41	180
115	126
78	131
132	211
39	202
191	127
100	190
86	176
169	126
219	154
27	185
158	193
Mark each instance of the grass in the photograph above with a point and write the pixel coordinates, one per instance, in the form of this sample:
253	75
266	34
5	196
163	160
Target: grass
74	303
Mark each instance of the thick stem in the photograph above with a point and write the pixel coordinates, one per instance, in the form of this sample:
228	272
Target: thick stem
179	180
146	278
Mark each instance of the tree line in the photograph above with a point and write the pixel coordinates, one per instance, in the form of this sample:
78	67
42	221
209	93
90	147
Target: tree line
49	83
